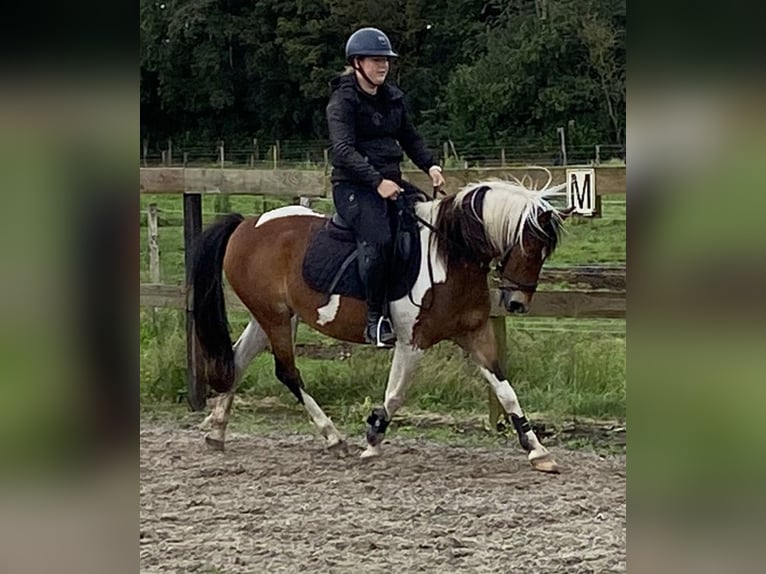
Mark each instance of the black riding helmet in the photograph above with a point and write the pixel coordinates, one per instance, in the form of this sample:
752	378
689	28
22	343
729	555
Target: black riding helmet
369	42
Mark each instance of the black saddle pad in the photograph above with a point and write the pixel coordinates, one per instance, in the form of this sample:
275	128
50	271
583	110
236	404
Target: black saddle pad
332	247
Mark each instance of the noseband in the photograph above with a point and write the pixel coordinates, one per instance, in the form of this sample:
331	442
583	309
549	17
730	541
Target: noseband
511	284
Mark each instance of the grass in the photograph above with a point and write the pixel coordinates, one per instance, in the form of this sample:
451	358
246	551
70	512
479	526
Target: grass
561	373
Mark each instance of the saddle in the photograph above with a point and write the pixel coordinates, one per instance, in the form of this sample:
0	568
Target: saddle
330	263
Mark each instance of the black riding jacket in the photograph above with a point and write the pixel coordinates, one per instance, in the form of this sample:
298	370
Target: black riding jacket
368	133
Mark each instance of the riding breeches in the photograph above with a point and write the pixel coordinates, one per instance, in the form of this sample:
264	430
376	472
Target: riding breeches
372	218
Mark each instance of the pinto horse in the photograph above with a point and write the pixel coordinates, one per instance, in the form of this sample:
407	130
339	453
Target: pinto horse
460	236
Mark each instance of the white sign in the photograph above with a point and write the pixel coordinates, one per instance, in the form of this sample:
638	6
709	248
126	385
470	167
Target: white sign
581	190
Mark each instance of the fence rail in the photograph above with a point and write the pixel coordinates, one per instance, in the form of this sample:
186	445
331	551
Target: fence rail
610	180
572	304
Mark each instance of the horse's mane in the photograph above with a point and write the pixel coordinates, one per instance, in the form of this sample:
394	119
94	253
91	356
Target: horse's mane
507	210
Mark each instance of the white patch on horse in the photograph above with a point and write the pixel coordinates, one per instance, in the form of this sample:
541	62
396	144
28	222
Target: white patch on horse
403	312
287	211
327	313
321	420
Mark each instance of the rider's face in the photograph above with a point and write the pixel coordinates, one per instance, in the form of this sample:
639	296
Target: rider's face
375	68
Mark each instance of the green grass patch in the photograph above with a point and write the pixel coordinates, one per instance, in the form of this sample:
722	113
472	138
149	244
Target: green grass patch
562	373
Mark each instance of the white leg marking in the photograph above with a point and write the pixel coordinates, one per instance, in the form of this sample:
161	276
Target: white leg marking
507	397
406	359
321	420
252	341
327	313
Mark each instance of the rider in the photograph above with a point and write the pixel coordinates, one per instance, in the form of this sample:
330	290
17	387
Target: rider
369	127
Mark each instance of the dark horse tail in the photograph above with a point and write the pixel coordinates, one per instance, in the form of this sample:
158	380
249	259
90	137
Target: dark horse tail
209	306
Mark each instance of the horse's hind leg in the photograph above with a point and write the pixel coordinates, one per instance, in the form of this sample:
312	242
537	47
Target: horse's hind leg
252	341
283	347
482	346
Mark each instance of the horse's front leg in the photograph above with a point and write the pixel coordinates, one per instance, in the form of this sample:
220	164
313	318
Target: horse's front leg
482	347
406	359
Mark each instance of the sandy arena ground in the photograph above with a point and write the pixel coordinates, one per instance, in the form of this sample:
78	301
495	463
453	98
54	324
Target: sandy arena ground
282	503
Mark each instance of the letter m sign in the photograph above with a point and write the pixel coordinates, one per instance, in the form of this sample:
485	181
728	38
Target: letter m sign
581	191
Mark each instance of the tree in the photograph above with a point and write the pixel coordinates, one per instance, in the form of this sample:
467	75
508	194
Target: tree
481	72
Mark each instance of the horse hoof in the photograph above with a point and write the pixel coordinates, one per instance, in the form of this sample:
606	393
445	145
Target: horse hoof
370	452
214	443
545	463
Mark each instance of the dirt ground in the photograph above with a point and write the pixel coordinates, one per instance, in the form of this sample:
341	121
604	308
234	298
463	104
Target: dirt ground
280	502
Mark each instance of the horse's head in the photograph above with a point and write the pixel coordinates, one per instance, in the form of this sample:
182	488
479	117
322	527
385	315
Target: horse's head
519	267
506	222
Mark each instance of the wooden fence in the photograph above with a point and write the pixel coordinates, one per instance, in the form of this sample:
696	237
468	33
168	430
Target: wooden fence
192	183
610	180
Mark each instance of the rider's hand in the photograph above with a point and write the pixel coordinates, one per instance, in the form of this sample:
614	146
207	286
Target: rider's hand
437	179
389	189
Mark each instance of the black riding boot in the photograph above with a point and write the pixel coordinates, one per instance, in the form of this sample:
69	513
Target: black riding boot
372	268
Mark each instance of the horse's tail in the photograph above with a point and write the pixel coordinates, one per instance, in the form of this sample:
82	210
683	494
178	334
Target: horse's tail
209	306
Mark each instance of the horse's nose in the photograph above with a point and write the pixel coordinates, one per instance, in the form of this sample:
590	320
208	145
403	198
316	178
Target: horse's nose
517	307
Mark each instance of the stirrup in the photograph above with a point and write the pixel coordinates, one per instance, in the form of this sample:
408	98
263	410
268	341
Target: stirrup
381	340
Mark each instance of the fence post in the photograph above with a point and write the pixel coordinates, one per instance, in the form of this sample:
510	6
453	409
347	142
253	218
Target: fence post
274	154
186	158
255	149
502	157
145	149
563	143
196	388
154	245
598	155
497	413
170	152
220	152
277	154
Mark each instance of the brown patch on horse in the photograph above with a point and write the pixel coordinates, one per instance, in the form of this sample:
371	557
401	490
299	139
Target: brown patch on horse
458	305
273	297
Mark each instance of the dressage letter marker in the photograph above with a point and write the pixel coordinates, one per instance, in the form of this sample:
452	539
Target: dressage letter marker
581	191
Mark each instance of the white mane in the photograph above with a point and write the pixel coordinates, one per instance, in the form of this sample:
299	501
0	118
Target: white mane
508	208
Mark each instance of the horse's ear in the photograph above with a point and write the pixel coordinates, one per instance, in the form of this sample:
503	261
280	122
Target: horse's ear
564	213
544	218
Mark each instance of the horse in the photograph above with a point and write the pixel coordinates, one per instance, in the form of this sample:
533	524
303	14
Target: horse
460	237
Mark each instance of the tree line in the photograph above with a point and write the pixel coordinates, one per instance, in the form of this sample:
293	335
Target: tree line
477	73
